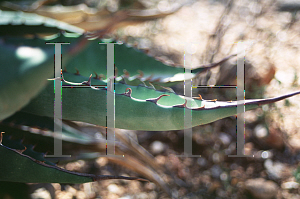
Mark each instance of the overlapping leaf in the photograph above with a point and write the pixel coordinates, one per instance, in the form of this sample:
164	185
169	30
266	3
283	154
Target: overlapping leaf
27	169
137	107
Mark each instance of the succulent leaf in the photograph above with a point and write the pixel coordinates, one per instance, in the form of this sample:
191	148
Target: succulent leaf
20	23
137	107
31	64
37	129
24	75
18	167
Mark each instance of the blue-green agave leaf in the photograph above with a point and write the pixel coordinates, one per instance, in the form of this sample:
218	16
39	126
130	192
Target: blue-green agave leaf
18	167
21	23
29	62
23	73
137	107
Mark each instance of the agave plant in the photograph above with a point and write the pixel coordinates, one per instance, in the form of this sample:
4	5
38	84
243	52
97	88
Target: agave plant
142	94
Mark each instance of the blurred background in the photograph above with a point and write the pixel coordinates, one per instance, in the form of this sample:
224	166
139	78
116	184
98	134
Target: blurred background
270	31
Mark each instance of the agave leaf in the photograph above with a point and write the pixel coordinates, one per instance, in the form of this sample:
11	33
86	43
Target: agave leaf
20	23
82	134
31	63
138	107
45	126
132	64
18	167
87	147
26	64
93	57
22	168
23	73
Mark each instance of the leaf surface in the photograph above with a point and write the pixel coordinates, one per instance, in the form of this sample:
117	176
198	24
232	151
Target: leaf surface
17	167
138	107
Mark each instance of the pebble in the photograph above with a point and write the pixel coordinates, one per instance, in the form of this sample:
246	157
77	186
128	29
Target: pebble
225	138
261	188
41	193
261	131
157	147
290	185
217	157
202	162
113	188
150	186
295	143
274	169
142	195
126	197
216	171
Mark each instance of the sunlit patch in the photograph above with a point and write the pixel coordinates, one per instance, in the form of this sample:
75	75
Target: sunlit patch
164	6
33	56
179	77
138	100
163	106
